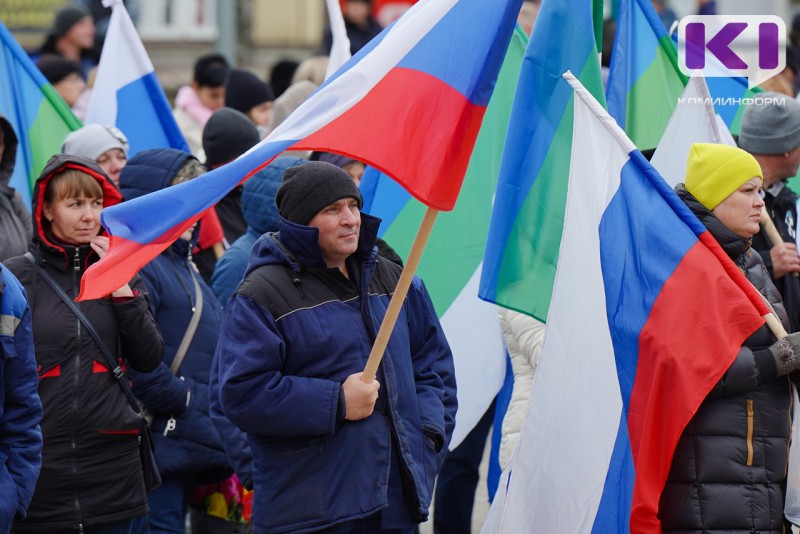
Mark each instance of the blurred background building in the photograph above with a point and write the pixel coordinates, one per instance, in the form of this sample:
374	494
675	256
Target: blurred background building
256	34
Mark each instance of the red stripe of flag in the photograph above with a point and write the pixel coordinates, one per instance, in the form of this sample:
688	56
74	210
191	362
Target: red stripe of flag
409	143
711	318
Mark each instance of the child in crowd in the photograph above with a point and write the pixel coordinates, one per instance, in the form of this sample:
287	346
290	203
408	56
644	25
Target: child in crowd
252	96
195	103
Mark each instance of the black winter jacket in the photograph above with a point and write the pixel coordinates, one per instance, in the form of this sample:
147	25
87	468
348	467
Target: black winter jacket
782	207
91	471
728	474
186	441
15	220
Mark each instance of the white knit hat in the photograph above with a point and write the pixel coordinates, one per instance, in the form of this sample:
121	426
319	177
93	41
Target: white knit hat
93	140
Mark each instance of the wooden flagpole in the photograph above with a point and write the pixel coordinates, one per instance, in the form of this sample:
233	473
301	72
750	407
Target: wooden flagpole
768	225
773	323
400	292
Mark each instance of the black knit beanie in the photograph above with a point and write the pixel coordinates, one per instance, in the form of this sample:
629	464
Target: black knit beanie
244	90
227	135
309	187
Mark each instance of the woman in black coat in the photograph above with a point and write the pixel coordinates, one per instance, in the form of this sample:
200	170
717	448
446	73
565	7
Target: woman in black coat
728	474
91	478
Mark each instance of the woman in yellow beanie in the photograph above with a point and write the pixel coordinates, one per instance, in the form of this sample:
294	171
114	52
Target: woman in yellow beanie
728	473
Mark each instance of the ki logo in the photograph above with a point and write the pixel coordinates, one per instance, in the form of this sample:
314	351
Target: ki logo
750	46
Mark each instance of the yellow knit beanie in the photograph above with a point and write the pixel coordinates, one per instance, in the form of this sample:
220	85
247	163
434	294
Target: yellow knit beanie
715	171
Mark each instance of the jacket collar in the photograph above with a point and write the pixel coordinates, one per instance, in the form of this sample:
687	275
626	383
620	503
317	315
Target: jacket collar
303	241
733	245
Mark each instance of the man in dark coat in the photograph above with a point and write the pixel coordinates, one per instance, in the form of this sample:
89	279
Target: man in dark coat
771	133
361	28
15	219
330	451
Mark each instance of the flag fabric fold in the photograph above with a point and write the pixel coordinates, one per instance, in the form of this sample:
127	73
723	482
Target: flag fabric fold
693	121
340	48
38	114
452	261
410	104
528	214
610	402
127	93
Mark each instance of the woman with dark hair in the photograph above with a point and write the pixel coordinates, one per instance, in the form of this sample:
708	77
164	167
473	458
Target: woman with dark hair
72	37
92	476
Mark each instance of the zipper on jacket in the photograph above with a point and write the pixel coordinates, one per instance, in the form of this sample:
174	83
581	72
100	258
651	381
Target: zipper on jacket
750	417
387	409
76	388
74	440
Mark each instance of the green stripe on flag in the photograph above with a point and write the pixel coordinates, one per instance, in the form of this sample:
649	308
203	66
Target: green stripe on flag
527	273
653	98
528	270
597	20
53	122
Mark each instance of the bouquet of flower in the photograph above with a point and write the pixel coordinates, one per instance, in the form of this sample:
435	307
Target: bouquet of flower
228	500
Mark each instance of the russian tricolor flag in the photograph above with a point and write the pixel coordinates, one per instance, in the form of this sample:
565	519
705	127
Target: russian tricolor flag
127	93
647	315
409	104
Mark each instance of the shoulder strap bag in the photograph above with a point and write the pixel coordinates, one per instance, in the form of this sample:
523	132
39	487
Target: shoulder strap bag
152	478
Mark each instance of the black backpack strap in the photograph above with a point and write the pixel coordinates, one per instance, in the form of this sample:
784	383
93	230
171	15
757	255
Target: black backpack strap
112	364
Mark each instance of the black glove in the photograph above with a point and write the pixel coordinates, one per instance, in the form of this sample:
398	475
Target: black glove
787	353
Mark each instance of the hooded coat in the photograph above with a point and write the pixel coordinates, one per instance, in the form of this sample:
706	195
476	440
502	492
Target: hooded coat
261	214
15	219
728	474
181	400
293	332
21	413
91	468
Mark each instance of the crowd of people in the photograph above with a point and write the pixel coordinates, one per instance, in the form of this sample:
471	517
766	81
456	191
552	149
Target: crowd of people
237	353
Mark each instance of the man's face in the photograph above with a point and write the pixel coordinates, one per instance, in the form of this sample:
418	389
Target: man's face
2	143
339	225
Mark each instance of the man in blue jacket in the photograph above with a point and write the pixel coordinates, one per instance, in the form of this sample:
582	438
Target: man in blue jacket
21	412
332	453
